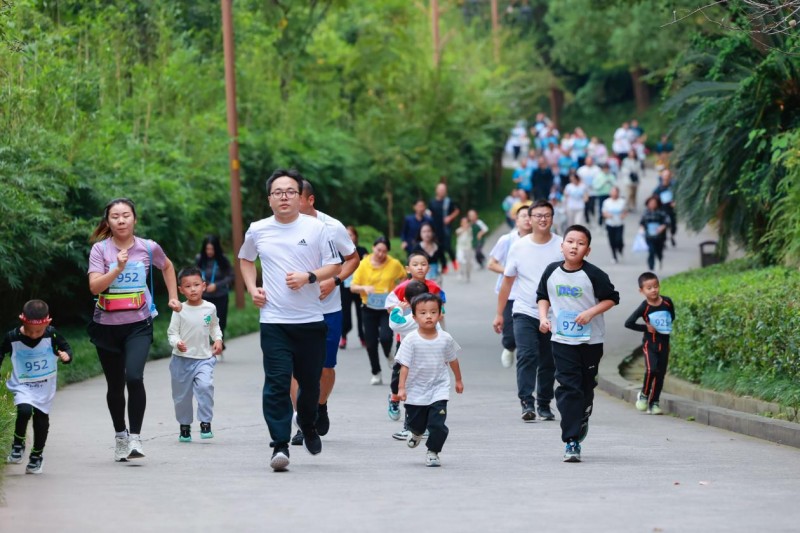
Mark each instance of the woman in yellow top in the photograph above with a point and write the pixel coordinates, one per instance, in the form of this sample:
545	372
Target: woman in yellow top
377	275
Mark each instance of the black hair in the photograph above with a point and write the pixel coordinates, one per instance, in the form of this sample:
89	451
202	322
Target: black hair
284	173
219	255
354	230
581	229
645	277
415	253
656	198
541	203
383	240
433	230
414	288
103	230
189	271
35	310
308	188
422	298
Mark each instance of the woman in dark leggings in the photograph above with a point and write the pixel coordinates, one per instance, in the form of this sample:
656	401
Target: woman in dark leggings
218	275
122	326
654	225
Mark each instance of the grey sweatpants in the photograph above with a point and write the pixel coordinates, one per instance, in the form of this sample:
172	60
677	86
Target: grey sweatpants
192	377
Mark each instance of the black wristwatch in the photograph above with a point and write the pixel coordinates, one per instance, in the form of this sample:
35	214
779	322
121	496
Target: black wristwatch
337	280
312	278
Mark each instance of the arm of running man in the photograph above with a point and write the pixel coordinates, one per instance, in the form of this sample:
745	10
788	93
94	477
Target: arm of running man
258	294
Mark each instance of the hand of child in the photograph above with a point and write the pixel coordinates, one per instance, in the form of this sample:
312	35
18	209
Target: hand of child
401	394
325	288
650	328
584	318
259	296
498	324
216	349
544	325
64	356
181	346
459	387
175	305
368	289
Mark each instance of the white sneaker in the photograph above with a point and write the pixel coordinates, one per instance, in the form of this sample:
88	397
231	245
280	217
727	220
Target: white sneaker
135	447
507	358
641	402
413	440
432	459
376	379
121	449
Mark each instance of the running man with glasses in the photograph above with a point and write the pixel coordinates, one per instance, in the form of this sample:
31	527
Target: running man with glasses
527	260
296	253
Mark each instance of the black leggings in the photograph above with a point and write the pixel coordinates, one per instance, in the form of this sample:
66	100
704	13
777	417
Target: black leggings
350	299
655	247
376	329
41	425
221	303
615	239
123	351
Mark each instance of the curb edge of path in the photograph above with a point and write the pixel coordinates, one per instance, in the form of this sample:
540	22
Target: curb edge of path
770	429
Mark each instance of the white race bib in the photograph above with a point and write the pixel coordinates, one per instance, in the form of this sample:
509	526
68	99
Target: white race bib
652	229
132	279
34	364
568	328
666	196
377	300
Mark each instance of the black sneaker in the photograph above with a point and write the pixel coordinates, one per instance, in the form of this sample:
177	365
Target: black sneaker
323	423
186	433
312	442
280	458
545	413
205	430
528	412
297	440
35	464
15	457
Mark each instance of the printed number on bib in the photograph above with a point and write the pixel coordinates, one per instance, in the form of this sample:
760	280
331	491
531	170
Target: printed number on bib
34	364
652	229
662	321
132	279
568	328
377	300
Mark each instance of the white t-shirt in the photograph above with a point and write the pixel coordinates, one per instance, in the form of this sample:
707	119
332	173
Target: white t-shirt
622	142
615	208
194	325
575	196
500	253
299	246
527	261
344	245
587	175
427	360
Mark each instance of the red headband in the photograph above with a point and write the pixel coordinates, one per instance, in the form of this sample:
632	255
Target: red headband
35	321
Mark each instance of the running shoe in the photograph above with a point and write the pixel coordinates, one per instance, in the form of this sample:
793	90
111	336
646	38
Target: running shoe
413	440
401	435
641	402
15	457
35	464
343	343
507	358
394	409
121	449
584	430
655	409
297	440
185	433
432	459
528	412
312	442
572	452
376	379
205	430
545	413
323	423
135	447
280	458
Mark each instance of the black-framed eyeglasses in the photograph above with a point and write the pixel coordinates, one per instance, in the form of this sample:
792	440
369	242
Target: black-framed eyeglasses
289	193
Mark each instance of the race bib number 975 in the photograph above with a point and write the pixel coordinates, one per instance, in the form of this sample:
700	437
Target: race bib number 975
567	327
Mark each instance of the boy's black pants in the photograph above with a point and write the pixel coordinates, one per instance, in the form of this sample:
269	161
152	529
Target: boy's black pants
576	373
656	359
431	417
41	426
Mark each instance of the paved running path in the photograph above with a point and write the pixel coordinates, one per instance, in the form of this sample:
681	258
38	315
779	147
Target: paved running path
640	473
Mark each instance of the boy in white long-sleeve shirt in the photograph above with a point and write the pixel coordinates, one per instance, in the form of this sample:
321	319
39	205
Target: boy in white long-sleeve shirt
193	357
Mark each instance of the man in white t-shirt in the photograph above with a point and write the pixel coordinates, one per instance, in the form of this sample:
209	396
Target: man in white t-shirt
588	172
296	252
527	260
331	303
497	263
622	141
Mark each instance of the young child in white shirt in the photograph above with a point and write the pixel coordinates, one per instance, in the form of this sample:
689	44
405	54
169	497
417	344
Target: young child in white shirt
193	356
424	384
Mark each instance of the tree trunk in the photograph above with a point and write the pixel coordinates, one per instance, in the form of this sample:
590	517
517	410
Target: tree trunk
389	209
556	105
641	91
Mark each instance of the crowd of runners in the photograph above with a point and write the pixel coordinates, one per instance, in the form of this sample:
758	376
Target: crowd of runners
550	305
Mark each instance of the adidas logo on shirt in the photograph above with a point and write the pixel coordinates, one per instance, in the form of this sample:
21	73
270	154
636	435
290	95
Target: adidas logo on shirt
302	242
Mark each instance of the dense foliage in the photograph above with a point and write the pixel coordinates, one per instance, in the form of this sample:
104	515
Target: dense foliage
736	317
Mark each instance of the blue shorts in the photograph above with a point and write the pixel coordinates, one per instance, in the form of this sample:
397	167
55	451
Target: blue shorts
334	322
